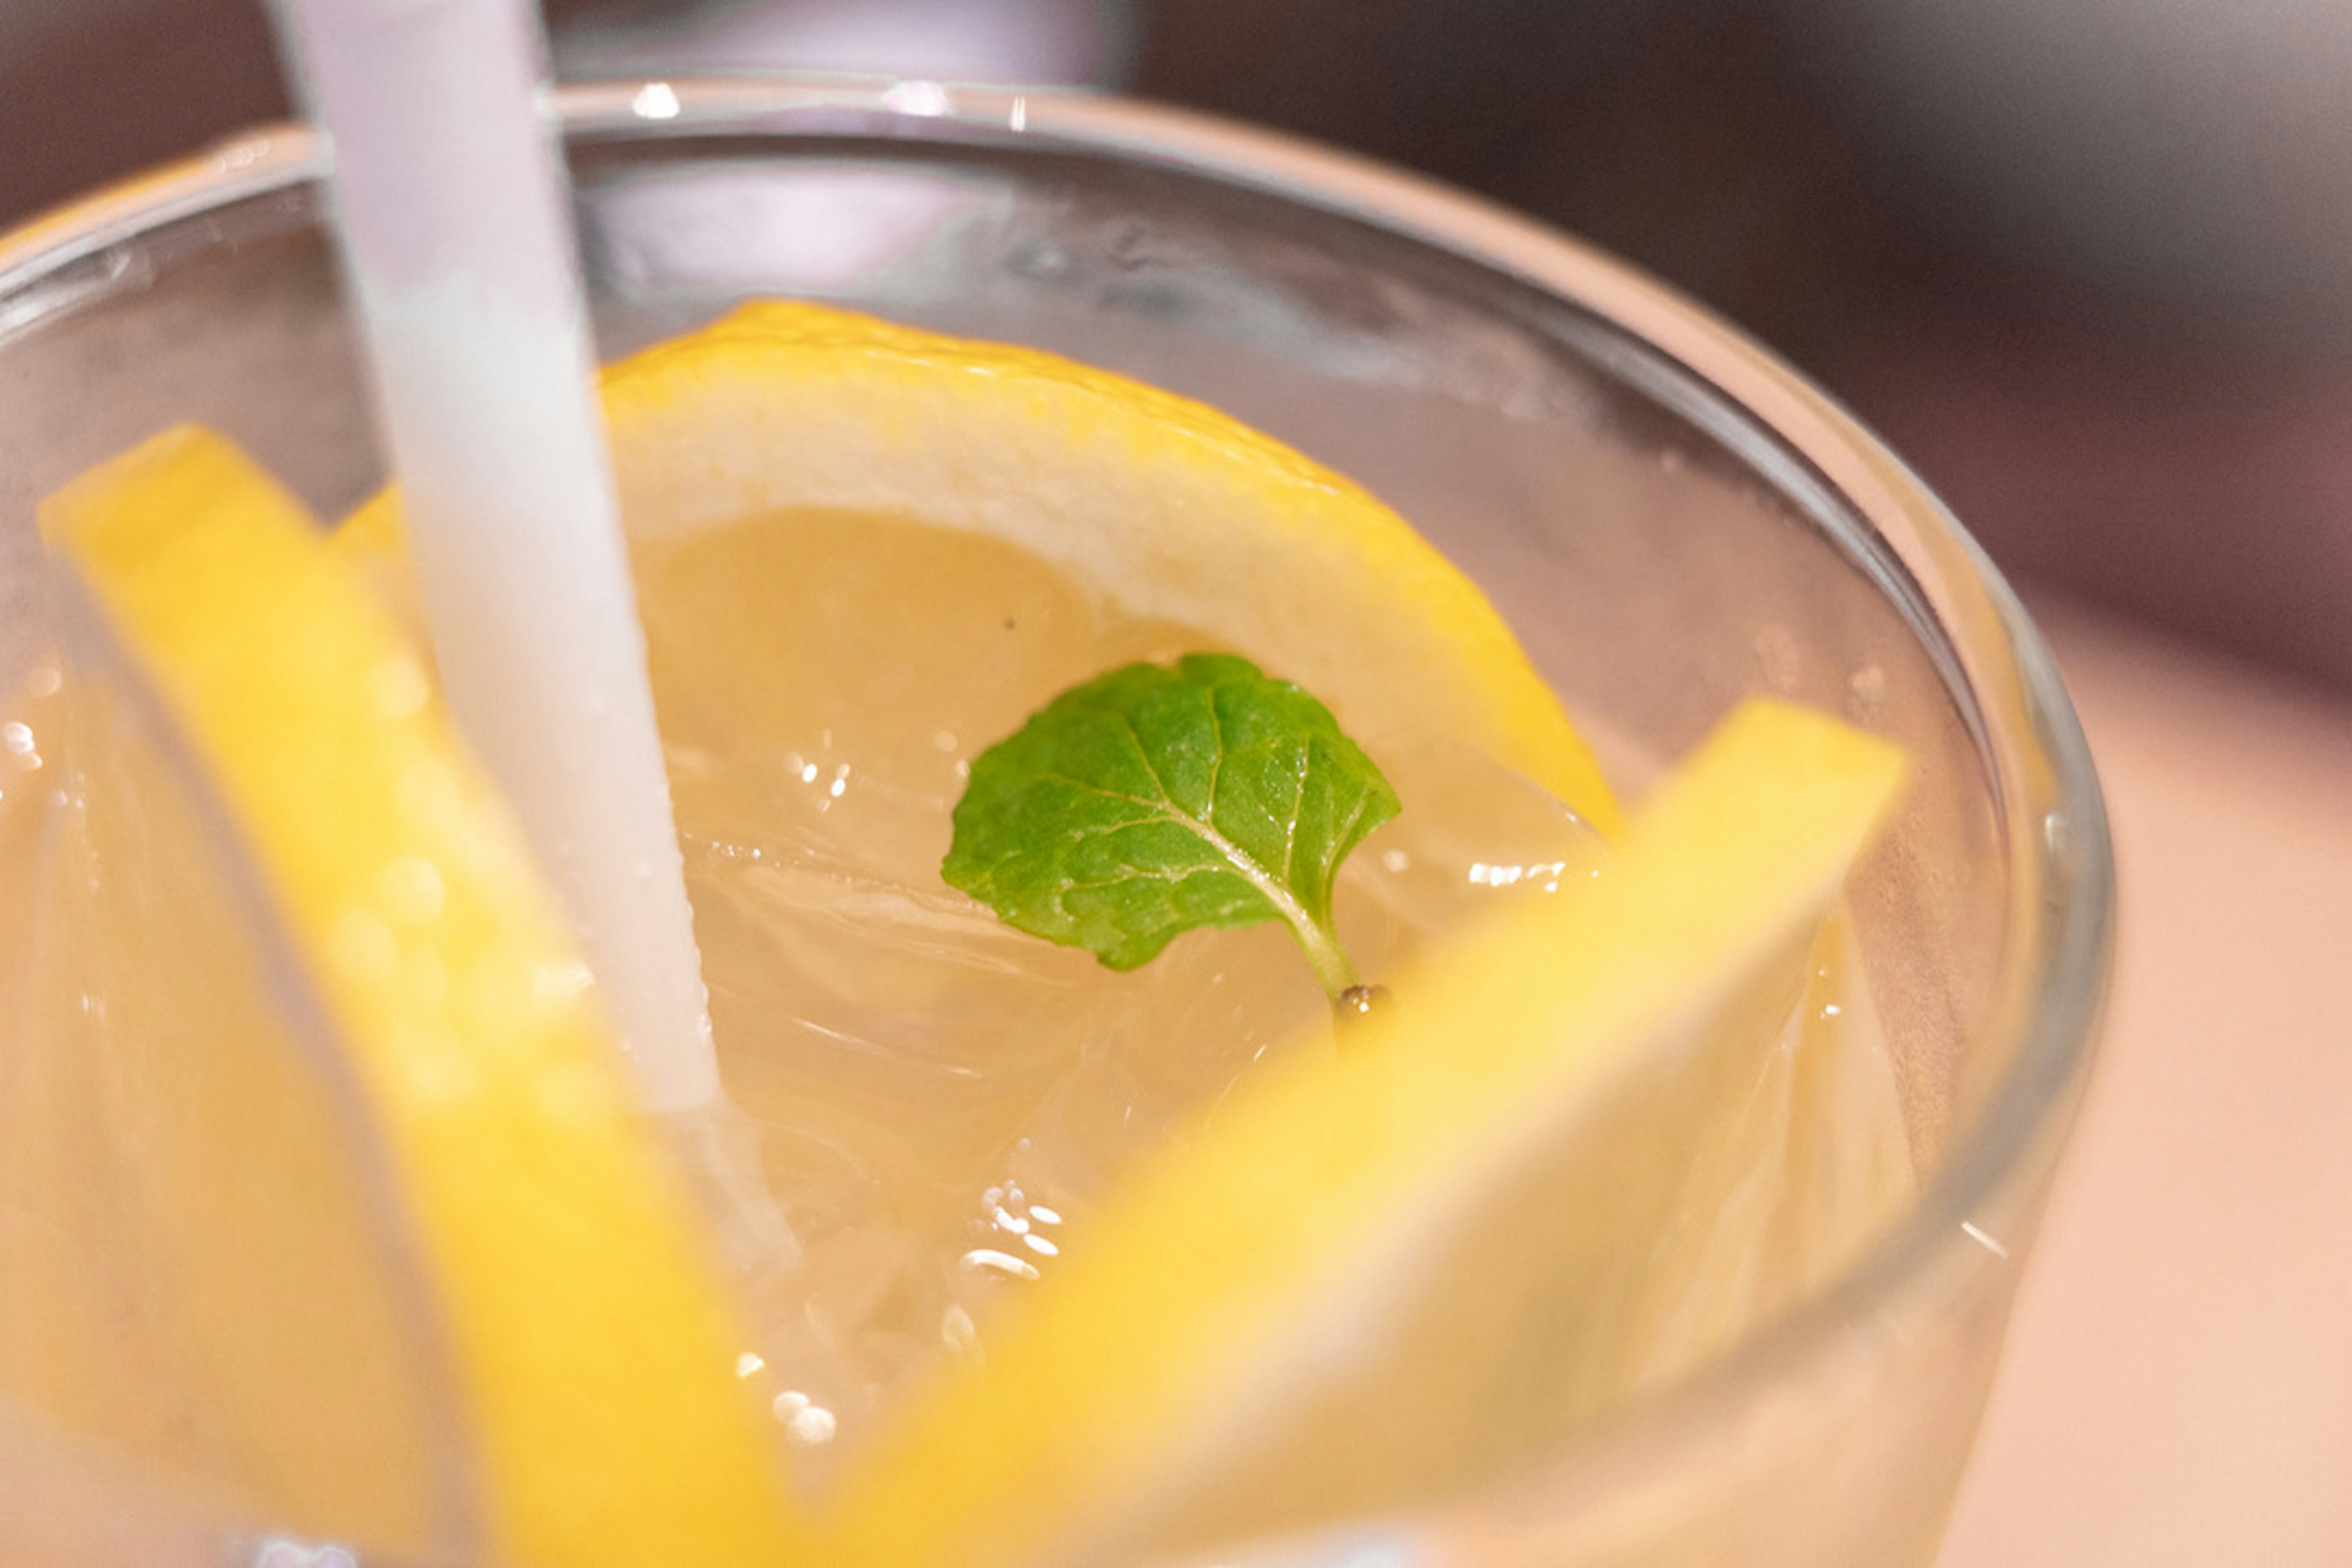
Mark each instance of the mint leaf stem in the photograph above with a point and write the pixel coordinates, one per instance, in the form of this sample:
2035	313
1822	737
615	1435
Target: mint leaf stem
1331	961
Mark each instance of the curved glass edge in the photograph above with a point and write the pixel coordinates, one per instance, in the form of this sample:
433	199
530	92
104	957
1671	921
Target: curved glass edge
2059	950
268	158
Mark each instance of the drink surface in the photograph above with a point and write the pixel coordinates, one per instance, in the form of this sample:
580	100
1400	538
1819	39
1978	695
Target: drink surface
940	1097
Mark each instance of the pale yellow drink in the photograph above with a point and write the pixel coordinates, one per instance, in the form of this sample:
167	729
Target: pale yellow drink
936	1102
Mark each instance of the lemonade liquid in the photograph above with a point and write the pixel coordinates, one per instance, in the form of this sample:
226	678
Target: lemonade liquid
936	1100
941	1097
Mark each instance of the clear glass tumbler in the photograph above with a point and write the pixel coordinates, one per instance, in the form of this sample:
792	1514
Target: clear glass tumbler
1672	519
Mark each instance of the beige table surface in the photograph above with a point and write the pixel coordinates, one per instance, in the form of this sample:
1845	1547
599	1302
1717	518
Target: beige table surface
2178	1387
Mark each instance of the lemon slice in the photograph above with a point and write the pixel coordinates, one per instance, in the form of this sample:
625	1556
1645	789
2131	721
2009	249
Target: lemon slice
1238	1276
1155	503
565	1275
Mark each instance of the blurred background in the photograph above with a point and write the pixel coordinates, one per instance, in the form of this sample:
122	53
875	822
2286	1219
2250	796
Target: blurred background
2082	262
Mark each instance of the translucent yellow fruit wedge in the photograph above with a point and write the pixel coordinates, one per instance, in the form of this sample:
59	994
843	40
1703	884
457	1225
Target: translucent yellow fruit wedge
555	1261
1155	503
1240	1275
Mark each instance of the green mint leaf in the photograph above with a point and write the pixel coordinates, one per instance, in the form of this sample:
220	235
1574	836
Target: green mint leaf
1158	798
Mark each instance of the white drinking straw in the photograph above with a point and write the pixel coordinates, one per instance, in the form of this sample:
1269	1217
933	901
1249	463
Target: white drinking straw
457	234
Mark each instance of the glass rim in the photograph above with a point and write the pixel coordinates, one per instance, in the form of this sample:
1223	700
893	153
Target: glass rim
2050	991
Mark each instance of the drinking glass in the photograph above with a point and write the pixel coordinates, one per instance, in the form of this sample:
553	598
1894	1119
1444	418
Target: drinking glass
1671	519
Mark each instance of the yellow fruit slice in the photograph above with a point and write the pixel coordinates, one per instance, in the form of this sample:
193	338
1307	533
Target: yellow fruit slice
1222	1287
1155	503
591	1346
